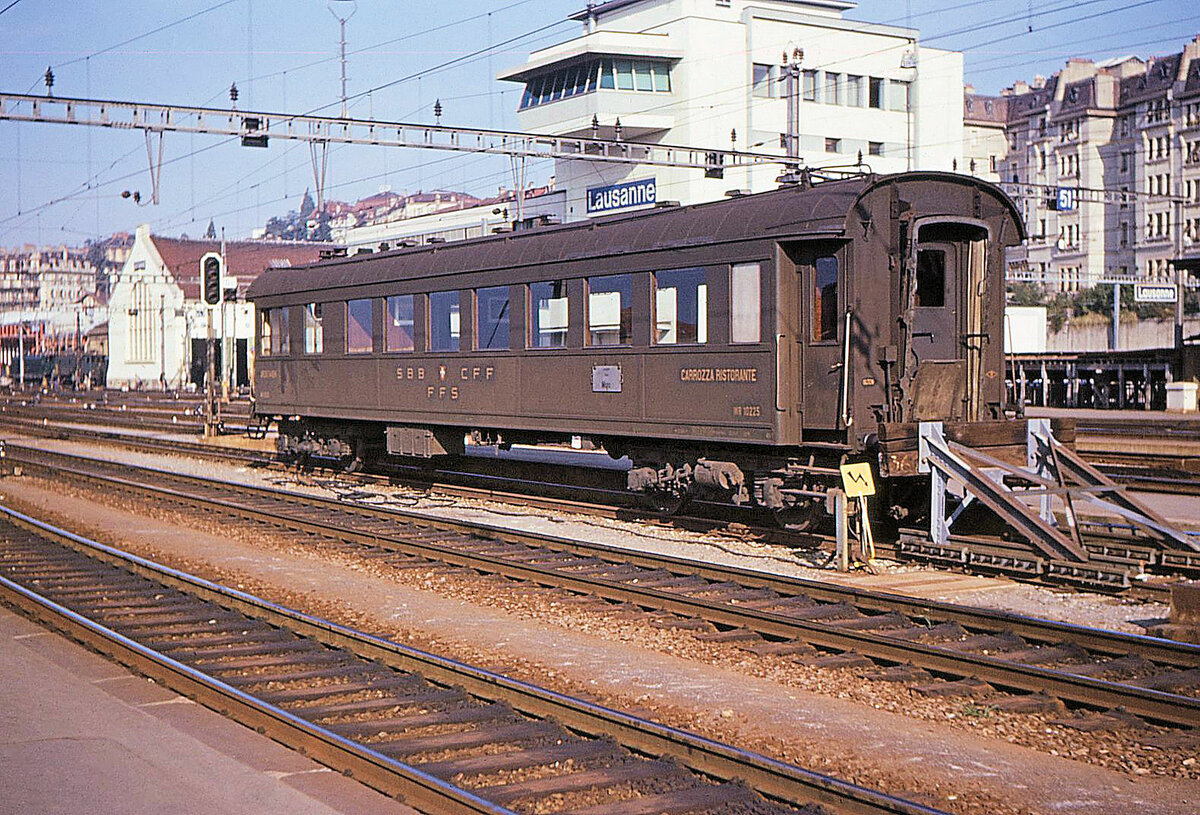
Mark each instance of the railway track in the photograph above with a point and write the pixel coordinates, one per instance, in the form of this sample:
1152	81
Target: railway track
1120	559
1016	663
441	735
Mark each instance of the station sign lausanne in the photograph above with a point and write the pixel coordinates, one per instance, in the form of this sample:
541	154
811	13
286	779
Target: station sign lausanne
619	196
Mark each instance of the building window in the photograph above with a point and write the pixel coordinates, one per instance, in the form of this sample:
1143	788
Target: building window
810	86
745	292
548	317
833	88
762	80
875	92
398	323
359	331
651	76
833	145
898	95
491	318
314	333
854	91
444	321
610	310
681	307
874	148
824	299
931	278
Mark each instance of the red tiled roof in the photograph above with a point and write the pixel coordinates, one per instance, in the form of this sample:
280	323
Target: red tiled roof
245	260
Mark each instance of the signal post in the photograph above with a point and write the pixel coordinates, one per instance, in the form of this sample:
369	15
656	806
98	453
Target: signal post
212	273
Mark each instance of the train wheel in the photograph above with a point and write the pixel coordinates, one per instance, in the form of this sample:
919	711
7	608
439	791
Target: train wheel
666	504
803	517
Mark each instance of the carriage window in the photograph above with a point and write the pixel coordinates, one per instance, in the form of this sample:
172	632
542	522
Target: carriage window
824	300
358	327
264	332
931	278
491	318
398	324
680	307
548	314
443	321
314	333
745	311
275	338
610	310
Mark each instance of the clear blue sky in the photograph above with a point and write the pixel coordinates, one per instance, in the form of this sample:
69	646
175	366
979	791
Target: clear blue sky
62	184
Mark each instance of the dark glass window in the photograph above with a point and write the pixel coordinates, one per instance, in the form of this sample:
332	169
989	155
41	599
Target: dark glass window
610	310
875	92
646	76
281	341
358	327
931	278
680	307
825	304
398	324
548	314
491	318
443	321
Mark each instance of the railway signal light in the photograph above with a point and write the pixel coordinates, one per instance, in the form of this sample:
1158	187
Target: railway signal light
211	274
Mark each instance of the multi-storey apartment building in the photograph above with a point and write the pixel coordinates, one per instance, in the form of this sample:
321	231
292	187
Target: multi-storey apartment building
1104	160
716	73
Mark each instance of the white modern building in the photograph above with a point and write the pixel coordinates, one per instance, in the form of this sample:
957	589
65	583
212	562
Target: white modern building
483	217
158	321
714	73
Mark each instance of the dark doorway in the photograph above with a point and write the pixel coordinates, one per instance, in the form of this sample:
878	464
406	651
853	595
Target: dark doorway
241	364
200	361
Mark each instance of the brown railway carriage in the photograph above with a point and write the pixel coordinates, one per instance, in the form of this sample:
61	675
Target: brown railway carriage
744	345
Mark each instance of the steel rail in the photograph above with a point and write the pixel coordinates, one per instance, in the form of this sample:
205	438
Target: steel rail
1113	566
774	779
1175	709
1042	630
425	792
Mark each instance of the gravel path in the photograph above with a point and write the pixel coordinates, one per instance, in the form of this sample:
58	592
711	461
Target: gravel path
955	756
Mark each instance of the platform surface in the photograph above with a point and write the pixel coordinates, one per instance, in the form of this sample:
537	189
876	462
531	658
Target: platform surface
81	734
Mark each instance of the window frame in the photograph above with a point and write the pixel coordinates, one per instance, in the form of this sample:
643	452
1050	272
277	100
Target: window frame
503	324
817	328
454	301
533	324
359	350
702	317
624	311
735	288
314	329
388	319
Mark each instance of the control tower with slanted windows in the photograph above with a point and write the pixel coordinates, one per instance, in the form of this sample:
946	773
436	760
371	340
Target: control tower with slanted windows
712	73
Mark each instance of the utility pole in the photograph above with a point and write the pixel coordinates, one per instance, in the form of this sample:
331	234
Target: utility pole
793	90
342	24
162	341
1180	273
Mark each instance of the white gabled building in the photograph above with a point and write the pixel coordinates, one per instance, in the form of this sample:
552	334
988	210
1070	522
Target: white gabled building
158	322
709	73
